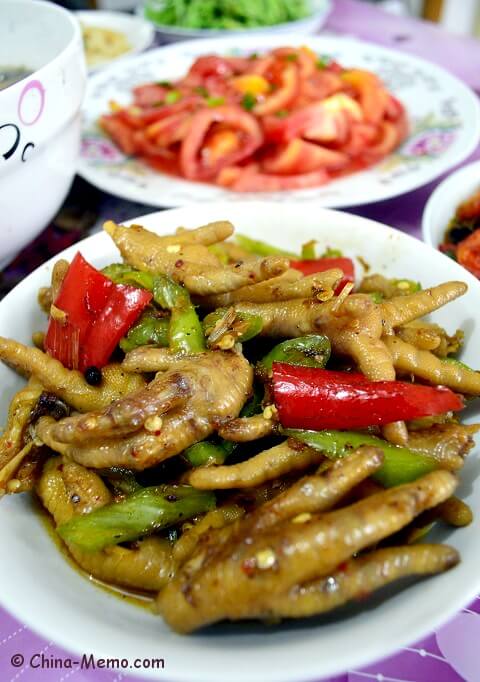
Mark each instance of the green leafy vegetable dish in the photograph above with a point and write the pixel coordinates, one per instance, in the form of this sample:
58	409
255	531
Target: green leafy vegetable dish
225	14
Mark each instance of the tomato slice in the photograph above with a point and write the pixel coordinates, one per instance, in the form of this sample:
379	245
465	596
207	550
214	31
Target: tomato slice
325	121
120	132
213	65
169	130
320	85
280	130
198	166
149	94
331	127
362	136
303	57
373	97
394	108
220	144
386	142
249	179
138	117
299	156
282	97
468	253
149	148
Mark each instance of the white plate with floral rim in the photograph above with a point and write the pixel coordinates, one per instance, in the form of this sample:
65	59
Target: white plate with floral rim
444	119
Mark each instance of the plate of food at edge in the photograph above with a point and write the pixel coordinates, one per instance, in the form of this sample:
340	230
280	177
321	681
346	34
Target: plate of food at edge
255	420
330	120
462	237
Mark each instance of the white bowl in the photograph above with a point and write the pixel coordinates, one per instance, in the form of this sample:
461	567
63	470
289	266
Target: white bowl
320	9
139	32
39	117
43	590
443	202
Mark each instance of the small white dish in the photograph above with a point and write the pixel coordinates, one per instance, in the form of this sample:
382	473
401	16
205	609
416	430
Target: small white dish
442	204
39	117
138	32
46	593
444	117
320	10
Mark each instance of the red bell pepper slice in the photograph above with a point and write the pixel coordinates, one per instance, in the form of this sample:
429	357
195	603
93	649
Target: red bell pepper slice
194	164
317	399
310	267
98	313
121	311
83	294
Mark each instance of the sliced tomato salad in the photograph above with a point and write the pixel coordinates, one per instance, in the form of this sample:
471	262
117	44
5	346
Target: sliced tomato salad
285	119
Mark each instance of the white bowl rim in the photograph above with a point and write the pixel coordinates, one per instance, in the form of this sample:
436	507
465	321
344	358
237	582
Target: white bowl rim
64	53
416	630
462	173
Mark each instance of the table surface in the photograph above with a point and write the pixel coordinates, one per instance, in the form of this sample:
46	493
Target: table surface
448	655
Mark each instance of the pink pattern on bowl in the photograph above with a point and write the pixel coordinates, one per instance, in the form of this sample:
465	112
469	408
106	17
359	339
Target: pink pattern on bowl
32	86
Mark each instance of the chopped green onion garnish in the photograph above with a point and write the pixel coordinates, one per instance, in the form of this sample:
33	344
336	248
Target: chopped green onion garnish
331	253
249	101
173	96
215	101
201	90
323	62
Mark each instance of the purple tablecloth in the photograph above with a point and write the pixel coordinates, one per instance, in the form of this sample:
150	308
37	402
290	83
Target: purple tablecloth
450	654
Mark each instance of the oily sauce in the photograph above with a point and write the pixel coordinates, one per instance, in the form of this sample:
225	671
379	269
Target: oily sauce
144	600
